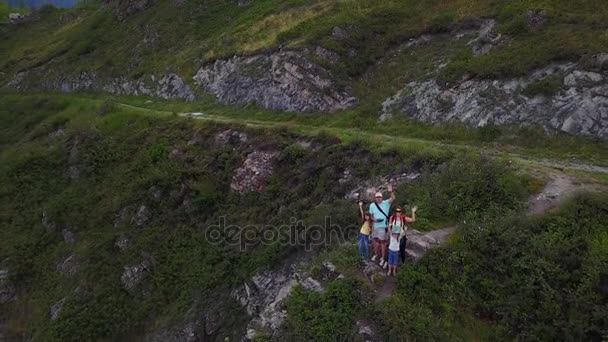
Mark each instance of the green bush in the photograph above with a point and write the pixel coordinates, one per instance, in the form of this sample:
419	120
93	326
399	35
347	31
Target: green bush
462	187
547	86
323	317
531	278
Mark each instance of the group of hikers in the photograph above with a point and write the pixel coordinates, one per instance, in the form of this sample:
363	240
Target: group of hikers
387	232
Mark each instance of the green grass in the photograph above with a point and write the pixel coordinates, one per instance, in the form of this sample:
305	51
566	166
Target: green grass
514	142
122	152
95	41
522	278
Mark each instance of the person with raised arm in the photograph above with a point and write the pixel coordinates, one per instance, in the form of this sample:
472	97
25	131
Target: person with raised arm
380	209
365	232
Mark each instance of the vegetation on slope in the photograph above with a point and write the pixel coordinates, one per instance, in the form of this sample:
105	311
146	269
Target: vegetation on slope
123	158
361	32
504	276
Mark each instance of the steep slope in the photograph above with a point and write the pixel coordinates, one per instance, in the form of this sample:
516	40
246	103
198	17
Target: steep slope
111	218
324	56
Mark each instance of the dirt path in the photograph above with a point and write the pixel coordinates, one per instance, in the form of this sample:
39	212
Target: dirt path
559	188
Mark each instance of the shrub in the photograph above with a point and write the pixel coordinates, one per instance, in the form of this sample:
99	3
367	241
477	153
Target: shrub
547	86
105	108
323	317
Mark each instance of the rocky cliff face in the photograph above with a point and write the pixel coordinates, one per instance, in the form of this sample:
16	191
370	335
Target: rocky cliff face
571	100
169	86
284	81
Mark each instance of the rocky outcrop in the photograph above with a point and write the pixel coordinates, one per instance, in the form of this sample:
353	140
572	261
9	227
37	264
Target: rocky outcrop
125	8
579	104
264	295
142	216
284	81
418	243
253	173
134	274
16	18
69	266
169	86
365	190
55	310
7	289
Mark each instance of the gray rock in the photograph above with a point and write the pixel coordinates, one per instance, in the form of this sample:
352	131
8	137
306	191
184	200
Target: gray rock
582	78
281	81
342	32
364	330
68	236
73	172
169	86
121	217
134	274
581	108
142	216
16	18
253	173
537	18
487	39
122	243
231	137
57	133
326	54
366	190
155	193
56	309
263	298
419	243
47	223
176	155
69	266
7	289
126	8
600	61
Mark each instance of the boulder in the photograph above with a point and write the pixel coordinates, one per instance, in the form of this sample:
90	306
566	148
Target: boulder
123	243
142	216
487	39
582	78
418	243
68	266
537	18
56	309
16	18
253	173
134	274
68	236
284	80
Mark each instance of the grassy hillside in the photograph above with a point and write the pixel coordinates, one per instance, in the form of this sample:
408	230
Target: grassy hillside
361	32
125	159
503	277
94	185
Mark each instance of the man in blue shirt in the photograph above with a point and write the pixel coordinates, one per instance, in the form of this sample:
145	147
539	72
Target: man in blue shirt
380	211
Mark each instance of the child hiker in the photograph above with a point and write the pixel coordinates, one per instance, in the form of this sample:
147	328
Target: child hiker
397	227
393	254
364	233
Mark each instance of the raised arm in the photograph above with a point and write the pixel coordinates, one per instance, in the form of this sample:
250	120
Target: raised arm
361	210
390	190
413	218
